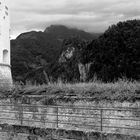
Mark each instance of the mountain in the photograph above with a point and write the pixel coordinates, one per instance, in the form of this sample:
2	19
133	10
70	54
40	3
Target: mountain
29	50
71	55
62	32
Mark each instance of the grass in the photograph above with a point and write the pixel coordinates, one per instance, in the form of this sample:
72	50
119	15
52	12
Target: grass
122	90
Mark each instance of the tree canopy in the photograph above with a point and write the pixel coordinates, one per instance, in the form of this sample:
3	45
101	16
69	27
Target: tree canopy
116	53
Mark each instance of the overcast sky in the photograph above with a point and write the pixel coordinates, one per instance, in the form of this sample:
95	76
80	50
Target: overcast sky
89	15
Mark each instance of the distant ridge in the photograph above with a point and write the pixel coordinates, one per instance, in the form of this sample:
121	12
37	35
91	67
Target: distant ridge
66	32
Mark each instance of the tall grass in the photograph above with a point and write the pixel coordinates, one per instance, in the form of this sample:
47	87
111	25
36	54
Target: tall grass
97	90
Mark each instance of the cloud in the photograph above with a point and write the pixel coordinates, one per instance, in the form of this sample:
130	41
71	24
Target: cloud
90	15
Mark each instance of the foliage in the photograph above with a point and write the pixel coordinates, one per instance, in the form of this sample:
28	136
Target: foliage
116	53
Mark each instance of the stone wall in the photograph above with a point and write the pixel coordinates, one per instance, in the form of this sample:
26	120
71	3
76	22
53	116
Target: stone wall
114	116
27	115
38	116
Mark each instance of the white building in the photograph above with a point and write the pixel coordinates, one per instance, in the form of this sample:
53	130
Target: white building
5	68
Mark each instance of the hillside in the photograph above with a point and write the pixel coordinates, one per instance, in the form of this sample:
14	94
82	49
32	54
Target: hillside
31	48
114	55
73	55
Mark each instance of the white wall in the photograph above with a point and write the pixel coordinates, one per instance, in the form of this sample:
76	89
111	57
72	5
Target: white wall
4	31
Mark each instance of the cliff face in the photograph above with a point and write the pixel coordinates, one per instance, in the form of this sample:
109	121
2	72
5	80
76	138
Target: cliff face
73	55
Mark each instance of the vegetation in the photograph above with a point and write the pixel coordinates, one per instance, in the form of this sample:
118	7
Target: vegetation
73	55
122	90
116	53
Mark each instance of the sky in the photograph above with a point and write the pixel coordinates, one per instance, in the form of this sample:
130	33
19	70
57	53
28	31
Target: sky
88	15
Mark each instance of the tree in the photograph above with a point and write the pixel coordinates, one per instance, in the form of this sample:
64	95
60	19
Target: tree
116	52
38	72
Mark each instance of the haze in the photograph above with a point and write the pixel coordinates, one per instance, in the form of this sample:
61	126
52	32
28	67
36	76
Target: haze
89	15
